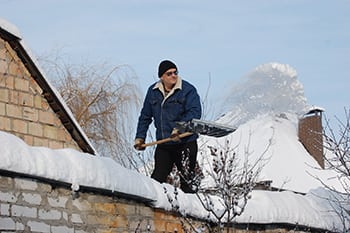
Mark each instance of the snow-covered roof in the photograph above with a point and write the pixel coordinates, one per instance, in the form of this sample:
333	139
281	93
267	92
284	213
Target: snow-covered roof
11	32
289	165
81	169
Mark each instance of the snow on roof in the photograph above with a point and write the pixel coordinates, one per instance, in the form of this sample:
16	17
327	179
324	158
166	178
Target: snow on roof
82	169
70	166
289	167
288	164
9	28
314	109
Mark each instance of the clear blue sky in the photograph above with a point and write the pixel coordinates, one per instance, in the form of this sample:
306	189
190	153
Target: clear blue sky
226	39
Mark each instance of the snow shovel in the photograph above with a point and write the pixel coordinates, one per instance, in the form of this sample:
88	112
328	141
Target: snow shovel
202	127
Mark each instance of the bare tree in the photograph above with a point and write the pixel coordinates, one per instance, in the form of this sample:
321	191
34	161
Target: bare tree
338	143
232	181
104	101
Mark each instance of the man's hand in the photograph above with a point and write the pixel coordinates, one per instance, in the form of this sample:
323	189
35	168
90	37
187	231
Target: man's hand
175	135
138	144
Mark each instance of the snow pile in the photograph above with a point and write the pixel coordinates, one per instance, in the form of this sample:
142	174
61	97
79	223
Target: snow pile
288	207
71	166
270	87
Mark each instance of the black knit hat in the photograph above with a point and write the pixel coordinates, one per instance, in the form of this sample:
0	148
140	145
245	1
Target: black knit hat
164	66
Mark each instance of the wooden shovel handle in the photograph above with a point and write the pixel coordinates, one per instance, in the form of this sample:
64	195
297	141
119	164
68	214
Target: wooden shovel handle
186	134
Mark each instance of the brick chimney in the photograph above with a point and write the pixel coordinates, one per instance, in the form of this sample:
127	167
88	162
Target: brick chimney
310	134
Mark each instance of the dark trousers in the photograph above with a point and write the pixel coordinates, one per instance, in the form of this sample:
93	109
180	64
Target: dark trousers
167	155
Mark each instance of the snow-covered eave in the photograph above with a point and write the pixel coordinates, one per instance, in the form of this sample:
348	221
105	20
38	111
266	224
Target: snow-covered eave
13	37
9	28
82	188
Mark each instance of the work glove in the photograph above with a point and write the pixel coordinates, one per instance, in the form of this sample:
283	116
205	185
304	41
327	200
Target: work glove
138	144
175	135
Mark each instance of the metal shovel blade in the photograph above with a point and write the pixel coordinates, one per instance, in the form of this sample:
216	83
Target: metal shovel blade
203	127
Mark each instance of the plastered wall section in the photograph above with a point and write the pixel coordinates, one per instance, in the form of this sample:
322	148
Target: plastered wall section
24	112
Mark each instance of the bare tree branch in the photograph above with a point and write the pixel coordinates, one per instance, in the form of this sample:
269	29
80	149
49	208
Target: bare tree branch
338	160
104	101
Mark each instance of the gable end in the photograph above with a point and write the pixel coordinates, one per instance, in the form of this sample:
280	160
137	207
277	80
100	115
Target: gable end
49	93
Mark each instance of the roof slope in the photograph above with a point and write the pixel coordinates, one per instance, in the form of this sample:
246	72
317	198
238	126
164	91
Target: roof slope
274	140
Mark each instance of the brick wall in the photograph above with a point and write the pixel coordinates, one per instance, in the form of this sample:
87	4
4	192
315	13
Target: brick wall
28	205
43	206
310	135
24	111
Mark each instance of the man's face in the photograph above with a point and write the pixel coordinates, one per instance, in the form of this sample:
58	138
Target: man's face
169	78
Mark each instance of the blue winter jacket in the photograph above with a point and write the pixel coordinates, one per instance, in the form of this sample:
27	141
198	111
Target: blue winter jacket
181	104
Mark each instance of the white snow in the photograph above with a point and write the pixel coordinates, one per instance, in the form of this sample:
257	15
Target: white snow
288	164
82	169
288	207
266	107
71	166
7	26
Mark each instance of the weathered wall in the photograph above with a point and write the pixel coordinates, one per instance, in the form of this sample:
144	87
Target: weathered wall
41	206
32	206
24	112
